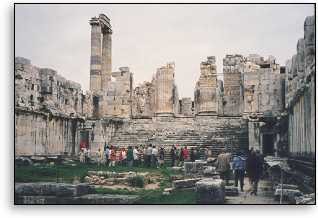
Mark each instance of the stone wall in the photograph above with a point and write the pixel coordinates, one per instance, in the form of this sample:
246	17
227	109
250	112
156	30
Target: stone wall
44	89
39	133
300	94
262	86
116	101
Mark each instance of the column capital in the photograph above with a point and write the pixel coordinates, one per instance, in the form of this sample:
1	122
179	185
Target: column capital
94	21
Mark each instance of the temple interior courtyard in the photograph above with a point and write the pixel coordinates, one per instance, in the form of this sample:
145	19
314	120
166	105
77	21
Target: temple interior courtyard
122	143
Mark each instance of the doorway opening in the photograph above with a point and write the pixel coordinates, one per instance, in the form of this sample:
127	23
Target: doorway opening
268	144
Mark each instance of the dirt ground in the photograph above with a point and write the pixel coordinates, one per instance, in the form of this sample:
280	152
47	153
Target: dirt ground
264	195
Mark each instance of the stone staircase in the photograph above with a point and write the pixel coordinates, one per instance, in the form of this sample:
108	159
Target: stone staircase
215	133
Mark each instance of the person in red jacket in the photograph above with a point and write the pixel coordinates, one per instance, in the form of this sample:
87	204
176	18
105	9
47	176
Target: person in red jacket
185	153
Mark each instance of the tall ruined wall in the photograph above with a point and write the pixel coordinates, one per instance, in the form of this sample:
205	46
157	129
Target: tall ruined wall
48	111
27	83
205	95
216	132
164	90
300	94
263	86
232	96
44	89
38	133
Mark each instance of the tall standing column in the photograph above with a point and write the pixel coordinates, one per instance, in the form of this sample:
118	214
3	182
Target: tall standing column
96	56
106	51
106	59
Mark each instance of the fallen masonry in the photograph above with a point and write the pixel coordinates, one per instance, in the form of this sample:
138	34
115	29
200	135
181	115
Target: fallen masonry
185	183
62	193
210	191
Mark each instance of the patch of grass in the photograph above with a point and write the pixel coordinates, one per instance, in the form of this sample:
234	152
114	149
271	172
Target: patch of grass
179	197
115	191
136	181
66	173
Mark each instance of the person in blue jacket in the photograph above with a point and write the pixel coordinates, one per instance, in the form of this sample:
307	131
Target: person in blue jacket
239	166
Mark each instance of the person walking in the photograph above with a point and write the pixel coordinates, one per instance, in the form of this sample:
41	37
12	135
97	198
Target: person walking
239	165
223	166
254	170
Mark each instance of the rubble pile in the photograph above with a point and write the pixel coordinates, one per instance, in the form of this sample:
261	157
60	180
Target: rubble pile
109	178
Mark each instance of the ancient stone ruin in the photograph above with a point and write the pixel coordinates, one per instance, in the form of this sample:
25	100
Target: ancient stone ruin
254	105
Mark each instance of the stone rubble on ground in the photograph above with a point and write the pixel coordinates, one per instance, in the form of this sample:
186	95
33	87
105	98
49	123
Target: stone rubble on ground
210	191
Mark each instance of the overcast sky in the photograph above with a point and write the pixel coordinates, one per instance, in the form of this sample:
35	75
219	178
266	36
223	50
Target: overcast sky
146	37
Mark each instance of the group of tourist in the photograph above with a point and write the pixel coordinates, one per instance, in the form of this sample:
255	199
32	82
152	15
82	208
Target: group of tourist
147	156
154	156
252	165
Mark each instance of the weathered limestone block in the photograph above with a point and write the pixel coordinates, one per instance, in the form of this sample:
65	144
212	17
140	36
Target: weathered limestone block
23	161
288	194
37	200
210	191
199	165
35	189
164	90
286	186
232	98
306	199
52	189
107	199
231	191
176	169
210	171
192	168
185	183
189	168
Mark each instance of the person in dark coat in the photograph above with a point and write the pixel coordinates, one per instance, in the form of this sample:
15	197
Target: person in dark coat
192	155
254	168
173	156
